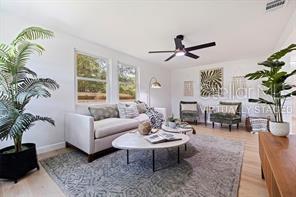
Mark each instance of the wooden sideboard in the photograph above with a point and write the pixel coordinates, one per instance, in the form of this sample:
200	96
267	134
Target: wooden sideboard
278	163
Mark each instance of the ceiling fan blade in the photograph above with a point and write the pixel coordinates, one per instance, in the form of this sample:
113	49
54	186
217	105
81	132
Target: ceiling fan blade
178	43
170	57
191	55
210	44
161	51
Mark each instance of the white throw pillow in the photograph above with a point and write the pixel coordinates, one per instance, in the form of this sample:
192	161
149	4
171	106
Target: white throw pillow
191	107
127	110
230	109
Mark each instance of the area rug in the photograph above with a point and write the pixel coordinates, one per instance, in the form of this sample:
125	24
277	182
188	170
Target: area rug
211	166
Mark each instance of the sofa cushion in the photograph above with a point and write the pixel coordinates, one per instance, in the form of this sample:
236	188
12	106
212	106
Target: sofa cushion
104	111
225	116
112	126
142	118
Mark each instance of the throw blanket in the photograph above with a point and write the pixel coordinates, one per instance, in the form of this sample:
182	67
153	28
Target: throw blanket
155	117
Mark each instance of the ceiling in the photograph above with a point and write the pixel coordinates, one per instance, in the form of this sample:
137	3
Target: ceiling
241	28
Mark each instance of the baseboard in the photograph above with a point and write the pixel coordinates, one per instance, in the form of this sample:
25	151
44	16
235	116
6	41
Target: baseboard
51	147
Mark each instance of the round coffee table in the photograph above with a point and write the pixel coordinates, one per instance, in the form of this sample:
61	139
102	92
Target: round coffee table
130	141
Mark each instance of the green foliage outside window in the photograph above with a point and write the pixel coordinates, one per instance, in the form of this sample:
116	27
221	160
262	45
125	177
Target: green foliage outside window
127	82
91	75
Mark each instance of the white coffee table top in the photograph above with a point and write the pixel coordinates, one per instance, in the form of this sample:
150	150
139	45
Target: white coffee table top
137	141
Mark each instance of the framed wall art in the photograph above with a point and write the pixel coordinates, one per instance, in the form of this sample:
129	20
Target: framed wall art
188	88
211	82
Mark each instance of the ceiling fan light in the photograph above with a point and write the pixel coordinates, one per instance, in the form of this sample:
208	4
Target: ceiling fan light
180	53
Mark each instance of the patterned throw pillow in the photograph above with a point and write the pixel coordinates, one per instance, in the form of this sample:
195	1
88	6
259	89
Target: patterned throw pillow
103	112
127	110
141	108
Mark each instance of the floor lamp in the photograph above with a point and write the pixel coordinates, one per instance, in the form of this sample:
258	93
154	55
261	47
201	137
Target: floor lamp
153	83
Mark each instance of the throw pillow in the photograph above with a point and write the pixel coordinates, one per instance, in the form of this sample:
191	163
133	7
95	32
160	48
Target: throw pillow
127	110
141	108
188	107
103	112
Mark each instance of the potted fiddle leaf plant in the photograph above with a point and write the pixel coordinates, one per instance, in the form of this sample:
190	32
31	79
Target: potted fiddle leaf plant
274	81
18	85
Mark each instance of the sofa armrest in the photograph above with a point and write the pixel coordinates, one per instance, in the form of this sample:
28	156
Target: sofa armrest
162	111
79	131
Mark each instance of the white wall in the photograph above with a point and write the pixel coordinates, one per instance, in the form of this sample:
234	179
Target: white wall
230	69
58	63
288	37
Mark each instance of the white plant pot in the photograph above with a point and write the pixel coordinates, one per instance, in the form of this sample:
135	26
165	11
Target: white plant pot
172	125
279	128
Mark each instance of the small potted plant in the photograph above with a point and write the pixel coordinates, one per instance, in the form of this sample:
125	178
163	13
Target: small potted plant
172	122
276	88
18	85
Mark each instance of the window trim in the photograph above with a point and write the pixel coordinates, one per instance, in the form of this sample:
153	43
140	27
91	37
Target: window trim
137	79
76	78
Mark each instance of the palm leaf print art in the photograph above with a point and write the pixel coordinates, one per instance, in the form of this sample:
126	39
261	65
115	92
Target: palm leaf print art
211	82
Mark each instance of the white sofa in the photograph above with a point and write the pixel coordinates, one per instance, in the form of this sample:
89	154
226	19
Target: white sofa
90	136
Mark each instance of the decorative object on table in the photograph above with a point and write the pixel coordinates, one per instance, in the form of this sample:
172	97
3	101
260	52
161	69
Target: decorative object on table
227	113
274	81
189	111
156	118
238	86
161	137
154	84
211	82
144	128
18	85
188	88
182	127
172	121
257	124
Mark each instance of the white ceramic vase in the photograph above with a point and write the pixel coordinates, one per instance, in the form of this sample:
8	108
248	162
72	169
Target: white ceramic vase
172	125
279	128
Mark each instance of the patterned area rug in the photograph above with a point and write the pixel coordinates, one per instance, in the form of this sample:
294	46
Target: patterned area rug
211	166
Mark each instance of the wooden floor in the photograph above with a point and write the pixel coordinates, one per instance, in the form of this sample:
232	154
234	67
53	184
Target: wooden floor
251	185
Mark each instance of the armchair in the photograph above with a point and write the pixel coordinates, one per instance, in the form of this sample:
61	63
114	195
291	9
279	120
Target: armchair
230	114
189	110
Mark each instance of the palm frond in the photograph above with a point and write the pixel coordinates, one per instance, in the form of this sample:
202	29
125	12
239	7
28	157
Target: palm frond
32	33
32	83
23	98
4	52
24	51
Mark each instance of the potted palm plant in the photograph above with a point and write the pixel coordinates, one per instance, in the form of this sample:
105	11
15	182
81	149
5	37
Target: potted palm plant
18	85
276	88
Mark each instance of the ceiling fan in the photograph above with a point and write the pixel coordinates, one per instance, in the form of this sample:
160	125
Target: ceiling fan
181	50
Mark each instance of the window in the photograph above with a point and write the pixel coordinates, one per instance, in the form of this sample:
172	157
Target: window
127	79
91	78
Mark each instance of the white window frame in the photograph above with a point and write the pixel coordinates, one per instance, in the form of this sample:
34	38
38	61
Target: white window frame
76	78
137	79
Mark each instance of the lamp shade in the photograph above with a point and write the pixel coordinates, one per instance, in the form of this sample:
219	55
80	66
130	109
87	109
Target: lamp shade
156	84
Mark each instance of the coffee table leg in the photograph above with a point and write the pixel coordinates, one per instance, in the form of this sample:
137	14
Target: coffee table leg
127	156
178	154
153	160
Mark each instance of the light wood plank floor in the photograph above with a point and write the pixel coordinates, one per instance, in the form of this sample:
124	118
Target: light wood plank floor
251	185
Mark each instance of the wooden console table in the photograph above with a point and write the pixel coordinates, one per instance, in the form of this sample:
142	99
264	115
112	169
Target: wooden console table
278	163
